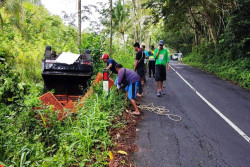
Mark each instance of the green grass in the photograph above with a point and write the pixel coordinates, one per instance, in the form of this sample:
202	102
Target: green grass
82	138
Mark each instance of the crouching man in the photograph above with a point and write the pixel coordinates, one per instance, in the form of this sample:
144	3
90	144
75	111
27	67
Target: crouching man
130	80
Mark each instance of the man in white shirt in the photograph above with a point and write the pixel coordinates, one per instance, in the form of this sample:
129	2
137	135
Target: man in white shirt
180	56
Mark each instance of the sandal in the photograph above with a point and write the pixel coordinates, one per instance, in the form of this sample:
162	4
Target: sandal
139	95
135	113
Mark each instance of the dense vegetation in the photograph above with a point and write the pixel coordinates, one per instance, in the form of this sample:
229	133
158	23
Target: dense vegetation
213	35
229	58
82	138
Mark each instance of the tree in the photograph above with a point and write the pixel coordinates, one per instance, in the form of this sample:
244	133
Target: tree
14	9
111	29
205	18
120	18
79	25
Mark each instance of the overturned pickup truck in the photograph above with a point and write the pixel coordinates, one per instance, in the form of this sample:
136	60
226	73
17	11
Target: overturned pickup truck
66	73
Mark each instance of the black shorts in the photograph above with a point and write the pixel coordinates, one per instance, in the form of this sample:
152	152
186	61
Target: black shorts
140	72
160	73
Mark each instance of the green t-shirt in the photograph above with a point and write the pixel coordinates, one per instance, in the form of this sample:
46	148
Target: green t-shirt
162	59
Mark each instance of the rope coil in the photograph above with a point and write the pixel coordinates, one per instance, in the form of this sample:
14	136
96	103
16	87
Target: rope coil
160	110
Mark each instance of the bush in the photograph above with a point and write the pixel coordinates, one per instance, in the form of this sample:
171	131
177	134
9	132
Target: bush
234	43
236	71
229	59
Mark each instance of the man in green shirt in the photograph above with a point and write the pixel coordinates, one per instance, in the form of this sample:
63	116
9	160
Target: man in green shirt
161	60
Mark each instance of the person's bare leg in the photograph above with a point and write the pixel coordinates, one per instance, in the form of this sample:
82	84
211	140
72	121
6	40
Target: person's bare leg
161	85
142	81
136	112
140	94
158	83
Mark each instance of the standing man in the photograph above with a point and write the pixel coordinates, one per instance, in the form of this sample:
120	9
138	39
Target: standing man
151	64
131	80
143	47
180	55
110	63
139	65
161	59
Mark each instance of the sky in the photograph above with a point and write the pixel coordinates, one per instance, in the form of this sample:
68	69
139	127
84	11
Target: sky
56	7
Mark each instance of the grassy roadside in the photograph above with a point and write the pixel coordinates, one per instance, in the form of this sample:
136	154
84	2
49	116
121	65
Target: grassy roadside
81	139
237	72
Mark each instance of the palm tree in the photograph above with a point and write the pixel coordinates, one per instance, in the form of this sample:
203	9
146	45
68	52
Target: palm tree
79	25
14	8
111	27
121	20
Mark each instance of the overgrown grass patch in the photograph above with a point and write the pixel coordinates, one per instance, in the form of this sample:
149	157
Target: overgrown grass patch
82	138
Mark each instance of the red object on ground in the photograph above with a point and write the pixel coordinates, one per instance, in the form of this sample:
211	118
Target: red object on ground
111	82
70	105
63	99
99	77
49	99
105	75
73	98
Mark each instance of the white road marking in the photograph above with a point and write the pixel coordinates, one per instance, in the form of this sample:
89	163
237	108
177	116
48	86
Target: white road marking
215	109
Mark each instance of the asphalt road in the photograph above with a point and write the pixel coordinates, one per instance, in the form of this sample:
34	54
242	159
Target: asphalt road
202	137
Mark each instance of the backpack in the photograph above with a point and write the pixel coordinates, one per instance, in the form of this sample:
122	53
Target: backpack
124	82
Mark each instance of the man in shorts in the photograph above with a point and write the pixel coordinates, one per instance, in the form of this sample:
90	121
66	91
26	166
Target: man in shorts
131	80
143	47
139	65
151	64
161	60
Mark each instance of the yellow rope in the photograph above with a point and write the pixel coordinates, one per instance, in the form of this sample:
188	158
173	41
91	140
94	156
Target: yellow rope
160	110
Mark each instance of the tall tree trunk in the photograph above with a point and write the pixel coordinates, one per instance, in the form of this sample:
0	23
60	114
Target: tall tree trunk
79	25
124	42
135	35
110	41
211	26
196	23
141	23
140	32
1	22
